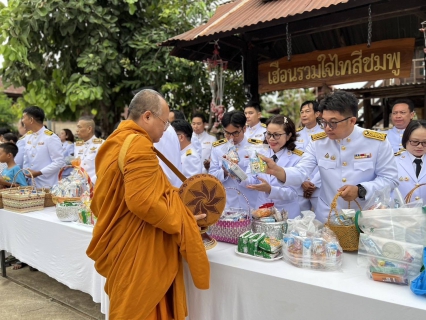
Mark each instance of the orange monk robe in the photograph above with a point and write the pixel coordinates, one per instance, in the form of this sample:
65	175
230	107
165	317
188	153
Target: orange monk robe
142	232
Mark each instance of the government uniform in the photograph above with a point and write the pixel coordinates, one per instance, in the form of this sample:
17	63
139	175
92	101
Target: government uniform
196	145
303	138
407	175
191	161
169	146
282	197
364	157
256	132
233	199
394	136
87	151
206	141
67	148
21	158
41	151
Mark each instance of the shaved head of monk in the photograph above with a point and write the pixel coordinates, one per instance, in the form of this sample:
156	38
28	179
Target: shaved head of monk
150	111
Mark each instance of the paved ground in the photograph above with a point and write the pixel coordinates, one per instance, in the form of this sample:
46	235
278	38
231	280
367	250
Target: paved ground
36	296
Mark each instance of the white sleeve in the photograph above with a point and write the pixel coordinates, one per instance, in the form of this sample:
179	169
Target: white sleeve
54	146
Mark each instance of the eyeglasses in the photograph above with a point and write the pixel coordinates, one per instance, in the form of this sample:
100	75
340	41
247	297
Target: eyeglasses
276	136
234	134
332	124
416	143
166	123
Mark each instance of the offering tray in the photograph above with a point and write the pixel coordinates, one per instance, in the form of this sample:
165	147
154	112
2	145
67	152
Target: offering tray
258	258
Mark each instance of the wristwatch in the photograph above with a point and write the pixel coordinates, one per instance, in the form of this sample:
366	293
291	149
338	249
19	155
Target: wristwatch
361	191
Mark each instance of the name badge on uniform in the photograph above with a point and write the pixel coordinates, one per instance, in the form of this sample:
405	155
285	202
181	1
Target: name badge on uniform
41	143
259	135
207	142
29	142
80	152
362	155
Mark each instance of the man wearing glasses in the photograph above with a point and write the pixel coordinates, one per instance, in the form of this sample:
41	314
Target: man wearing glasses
234	125
402	114
352	161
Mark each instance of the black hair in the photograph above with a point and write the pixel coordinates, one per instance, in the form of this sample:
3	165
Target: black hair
199	115
315	105
340	101
182	126
235	117
253	104
413	125
288	127
4	130
405	101
35	112
10	137
10	147
178	114
98	131
69	134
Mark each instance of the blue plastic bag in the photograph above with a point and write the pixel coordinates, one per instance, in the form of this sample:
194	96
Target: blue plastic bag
418	285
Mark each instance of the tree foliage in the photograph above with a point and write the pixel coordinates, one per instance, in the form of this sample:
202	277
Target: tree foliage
87	56
7	117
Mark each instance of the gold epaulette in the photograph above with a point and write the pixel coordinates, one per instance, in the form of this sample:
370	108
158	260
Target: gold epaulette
28	133
79	143
219	142
299	129
254	141
374	135
318	136
263	125
188	152
98	141
298	152
398	153
48	132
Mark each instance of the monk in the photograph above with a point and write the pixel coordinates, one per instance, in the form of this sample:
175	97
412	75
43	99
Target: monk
143	228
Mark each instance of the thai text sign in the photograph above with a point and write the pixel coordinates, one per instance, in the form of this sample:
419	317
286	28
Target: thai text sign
383	60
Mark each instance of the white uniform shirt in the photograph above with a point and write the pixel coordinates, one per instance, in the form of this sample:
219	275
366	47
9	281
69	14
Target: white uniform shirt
67	148
283	197
407	176
206	141
42	151
21	157
303	139
350	161
169	146
255	132
233	199
196	145
87	151
191	161
394	136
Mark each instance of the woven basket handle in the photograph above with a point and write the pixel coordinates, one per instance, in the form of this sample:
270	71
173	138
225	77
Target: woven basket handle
240	194
33	187
83	174
333	207
407	198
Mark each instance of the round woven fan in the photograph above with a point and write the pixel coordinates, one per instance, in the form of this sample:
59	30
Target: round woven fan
204	193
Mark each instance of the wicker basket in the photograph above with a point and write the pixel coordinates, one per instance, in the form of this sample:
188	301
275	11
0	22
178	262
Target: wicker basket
23	199
348	235
229	231
48	201
68	213
410	194
56	199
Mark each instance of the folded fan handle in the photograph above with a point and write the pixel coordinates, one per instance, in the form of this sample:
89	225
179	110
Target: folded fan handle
333	207
123	153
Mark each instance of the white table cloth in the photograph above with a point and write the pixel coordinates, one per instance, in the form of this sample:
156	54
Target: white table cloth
53	247
246	289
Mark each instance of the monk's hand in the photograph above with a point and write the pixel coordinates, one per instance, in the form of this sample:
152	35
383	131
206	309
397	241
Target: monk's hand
263	186
274	169
348	193
200	216
206	164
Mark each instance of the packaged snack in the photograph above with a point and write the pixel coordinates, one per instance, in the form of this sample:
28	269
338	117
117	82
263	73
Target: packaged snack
264	210
234	170
270	245
268	255
257	165
243	241
253	242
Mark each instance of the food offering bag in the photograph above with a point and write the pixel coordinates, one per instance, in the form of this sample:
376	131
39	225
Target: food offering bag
388	260
257	165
